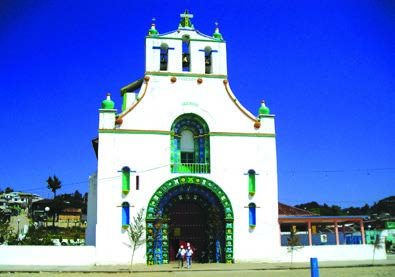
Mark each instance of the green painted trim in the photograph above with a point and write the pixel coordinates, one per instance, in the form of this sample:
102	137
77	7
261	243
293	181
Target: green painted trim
224	134
251	183
265	115
126	181
107	111
136	132
178	74
192	39
124	102
132	87
160	132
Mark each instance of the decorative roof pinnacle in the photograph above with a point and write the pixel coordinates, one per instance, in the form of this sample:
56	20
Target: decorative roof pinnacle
217	34
185	21
153	31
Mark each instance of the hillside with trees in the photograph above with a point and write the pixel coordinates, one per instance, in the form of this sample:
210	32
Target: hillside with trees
384	207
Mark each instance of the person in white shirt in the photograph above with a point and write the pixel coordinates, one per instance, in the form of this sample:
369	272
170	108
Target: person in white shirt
180	256
189	253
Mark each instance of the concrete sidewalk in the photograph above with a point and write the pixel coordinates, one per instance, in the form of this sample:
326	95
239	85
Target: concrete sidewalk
172	267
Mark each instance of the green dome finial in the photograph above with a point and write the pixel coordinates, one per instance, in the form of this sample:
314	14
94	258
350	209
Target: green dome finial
217	34
153	31
263	109
107	104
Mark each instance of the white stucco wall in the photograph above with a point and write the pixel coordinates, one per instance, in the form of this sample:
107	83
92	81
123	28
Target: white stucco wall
86	255
47	255
142	144
333	253
90	231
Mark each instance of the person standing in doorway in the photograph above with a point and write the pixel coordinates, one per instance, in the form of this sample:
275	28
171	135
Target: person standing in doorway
189	253
180	256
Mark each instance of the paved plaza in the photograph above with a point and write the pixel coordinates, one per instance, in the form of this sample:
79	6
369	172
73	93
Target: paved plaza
338	269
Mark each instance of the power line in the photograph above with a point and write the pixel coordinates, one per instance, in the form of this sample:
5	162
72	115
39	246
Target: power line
337	170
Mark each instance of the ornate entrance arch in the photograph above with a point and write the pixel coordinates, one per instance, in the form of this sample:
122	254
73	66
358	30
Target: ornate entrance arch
201	192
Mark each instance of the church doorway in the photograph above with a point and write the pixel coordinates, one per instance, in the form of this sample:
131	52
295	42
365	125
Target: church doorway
189	210
199	223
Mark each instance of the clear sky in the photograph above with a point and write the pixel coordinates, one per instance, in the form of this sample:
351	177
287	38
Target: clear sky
325	68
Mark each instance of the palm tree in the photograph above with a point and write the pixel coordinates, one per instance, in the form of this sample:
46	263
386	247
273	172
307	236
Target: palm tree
53	185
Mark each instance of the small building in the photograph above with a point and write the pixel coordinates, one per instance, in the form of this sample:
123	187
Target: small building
70	215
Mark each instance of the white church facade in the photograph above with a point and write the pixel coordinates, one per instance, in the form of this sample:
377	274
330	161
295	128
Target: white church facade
184	149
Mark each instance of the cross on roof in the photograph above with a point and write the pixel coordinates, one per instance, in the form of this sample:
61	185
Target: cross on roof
185	22
186	15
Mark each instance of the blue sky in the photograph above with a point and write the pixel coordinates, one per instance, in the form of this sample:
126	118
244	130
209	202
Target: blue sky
325	69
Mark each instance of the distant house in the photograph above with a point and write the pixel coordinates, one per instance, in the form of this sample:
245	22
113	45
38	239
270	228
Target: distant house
38	212
18	200
313	229
286	210
70	215
66	215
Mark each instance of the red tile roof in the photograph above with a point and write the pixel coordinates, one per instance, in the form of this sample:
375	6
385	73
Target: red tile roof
284	209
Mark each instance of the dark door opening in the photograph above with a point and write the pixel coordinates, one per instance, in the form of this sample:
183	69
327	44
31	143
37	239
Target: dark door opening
188	222
199	223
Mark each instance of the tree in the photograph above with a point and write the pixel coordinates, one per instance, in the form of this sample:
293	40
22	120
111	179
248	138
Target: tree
8	190
293	242
53	185
313	207
378	241
5	230
136	233
85	198
77	196
386	205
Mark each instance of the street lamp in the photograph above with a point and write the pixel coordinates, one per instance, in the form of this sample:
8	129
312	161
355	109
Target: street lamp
46	215
19	220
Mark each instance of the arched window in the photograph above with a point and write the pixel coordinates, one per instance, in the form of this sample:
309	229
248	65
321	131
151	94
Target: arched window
190	145
186	57
207	60
125	214
125	179
187	147
251	182
164	50
252	214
